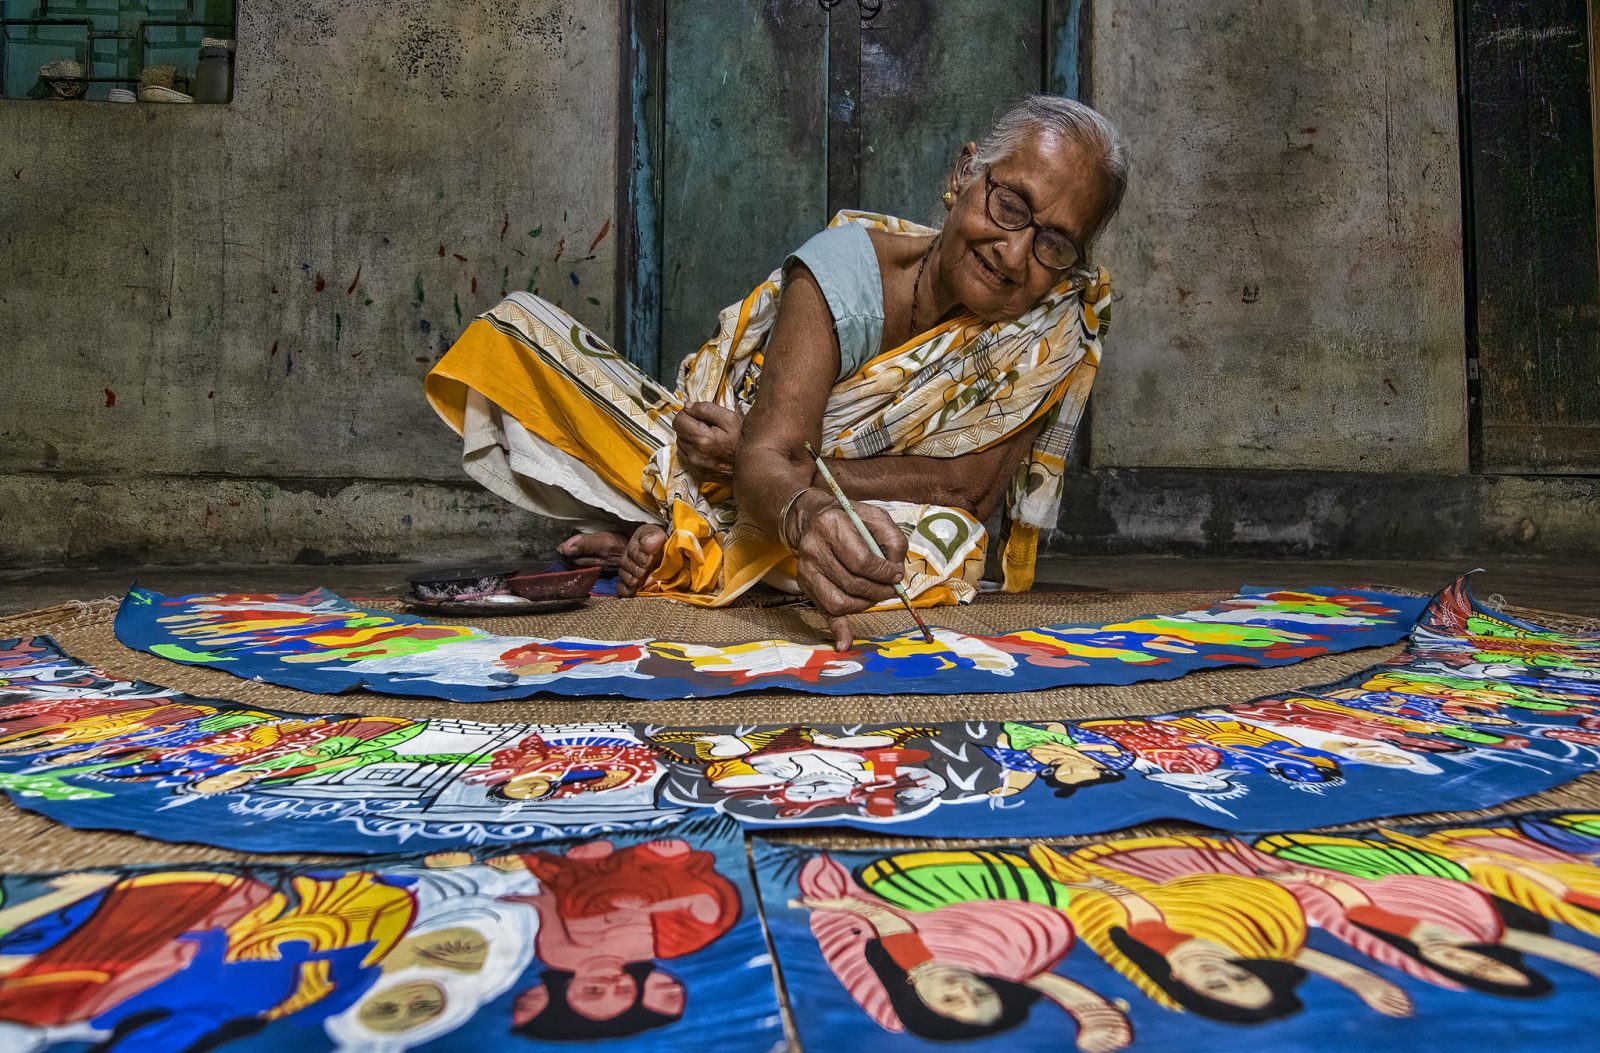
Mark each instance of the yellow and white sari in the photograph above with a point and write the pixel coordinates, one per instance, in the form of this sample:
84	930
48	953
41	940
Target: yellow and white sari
558	423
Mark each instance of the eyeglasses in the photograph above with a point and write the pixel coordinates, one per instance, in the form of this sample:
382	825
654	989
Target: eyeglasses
1008	211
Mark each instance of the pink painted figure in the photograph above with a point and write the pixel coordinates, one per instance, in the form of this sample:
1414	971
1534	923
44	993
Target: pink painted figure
960	971
606	916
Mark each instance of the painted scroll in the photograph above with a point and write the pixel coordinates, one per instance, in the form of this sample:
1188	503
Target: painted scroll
655	941
1480	709
1476	937
321	643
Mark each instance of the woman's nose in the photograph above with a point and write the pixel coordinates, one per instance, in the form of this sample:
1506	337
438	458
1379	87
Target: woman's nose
1014	250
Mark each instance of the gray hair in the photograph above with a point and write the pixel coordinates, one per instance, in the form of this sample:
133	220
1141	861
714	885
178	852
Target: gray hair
1074	122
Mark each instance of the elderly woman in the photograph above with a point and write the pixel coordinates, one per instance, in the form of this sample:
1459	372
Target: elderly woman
937	370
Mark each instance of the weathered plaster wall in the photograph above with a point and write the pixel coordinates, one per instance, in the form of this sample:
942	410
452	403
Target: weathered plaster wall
215	320
1288	259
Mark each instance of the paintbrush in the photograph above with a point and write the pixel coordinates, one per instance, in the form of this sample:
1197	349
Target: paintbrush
866	535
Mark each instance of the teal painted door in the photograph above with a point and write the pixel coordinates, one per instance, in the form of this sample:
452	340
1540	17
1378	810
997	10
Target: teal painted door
776	113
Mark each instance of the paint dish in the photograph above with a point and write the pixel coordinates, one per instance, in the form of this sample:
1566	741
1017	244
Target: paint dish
460	583
497	605
568	583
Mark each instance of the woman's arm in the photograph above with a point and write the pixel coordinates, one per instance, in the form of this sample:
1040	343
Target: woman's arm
883	922
835	567
974	482
1568	954
1101	1026
1379	994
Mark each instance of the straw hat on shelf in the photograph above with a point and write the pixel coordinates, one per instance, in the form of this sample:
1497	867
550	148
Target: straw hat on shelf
64	78
164	84
158	94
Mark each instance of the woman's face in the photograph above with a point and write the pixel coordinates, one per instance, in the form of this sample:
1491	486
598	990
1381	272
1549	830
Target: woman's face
1440	946
1204	968
1464	961
957	994
602	994
528	786
459	947
402	1006
994	271
225	782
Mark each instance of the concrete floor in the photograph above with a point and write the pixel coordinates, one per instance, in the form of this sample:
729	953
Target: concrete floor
1572	586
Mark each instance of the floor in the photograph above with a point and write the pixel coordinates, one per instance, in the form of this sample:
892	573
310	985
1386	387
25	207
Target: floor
1571	586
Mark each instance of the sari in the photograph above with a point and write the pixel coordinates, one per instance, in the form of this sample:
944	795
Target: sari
555	421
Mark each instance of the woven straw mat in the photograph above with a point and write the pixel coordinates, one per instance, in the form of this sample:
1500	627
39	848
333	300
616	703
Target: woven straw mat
85	631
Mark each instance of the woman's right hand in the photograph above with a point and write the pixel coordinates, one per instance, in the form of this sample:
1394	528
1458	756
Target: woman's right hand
834	566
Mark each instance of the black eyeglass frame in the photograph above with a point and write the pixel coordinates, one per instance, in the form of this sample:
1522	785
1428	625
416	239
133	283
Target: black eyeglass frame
990	186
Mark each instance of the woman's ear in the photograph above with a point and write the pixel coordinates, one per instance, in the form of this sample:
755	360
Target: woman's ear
961	171
529	1004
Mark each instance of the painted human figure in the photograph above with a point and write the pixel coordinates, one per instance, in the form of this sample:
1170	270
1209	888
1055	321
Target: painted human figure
308	950
320	748
467	944
1458	707
573	657
747	663
538	768
1441	929
1227	947
155	752
1546	880
956	969
798	771
100	726
1293	712
606	917
97	940
1026	752
1462	689
30	714
1202	755
1544	678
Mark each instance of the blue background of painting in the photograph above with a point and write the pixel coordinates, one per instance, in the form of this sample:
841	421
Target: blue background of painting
731	1002
1333	1019
138	626
1475	779
1479	779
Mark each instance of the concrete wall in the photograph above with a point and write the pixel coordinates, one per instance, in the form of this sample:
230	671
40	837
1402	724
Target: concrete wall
1286	368
215	320
1288	259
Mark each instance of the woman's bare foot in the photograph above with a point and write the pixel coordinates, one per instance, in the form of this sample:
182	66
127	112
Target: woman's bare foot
601	549
640	558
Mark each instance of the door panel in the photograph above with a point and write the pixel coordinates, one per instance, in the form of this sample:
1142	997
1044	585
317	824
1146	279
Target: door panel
934	75
776	113
1537	274
744	163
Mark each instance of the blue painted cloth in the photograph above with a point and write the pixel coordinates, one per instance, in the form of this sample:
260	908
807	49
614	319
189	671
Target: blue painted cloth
1479	710
483	949
321	643
1036	923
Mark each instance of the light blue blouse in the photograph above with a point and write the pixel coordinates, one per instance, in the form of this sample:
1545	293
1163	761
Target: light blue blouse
846	267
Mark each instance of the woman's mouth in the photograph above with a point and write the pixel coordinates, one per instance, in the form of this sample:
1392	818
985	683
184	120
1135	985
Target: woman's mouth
989	274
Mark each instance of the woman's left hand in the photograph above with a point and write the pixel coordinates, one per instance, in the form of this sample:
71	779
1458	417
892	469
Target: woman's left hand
708	438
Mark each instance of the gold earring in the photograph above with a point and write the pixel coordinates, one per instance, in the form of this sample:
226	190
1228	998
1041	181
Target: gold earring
949	199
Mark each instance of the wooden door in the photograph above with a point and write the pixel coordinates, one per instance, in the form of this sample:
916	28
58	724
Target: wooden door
1533	265
771	115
